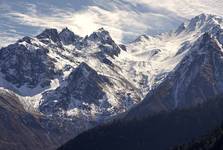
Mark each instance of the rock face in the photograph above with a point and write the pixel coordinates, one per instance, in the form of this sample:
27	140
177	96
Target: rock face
201	23
77	83
19	129
106	43
197	78
49	34
23	63
83	86
68	37
193	81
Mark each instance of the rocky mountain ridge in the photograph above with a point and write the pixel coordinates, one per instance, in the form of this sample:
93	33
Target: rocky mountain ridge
80	82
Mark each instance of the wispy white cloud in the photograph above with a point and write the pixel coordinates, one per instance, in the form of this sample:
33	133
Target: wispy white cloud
125	19
187	8
121	23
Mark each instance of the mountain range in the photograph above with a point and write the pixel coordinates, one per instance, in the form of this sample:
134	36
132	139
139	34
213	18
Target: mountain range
58	84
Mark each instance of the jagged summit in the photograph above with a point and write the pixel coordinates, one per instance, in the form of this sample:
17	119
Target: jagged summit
104	41
68	37
201	23
66	29
181	28
51	34
26	65
101	35
91	78
64	73
142	38
25	39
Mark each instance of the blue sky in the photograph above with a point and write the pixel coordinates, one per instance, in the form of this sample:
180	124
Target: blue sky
125	19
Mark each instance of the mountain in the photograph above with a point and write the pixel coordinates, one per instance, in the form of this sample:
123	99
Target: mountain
160	132
51	61
77	83
73	82
22	129
68	37
198	75
23	63
180	70
83	86
19	129
197	78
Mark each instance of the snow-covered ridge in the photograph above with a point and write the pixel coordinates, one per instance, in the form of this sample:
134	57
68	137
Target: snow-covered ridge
63	53
154	57
195	74
145	63
91	78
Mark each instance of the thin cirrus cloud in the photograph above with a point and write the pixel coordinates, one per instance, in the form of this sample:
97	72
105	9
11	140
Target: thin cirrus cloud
124	23
124	19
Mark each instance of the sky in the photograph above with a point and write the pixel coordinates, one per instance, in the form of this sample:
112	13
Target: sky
124	19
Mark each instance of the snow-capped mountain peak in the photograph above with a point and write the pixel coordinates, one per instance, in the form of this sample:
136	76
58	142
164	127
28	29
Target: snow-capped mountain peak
63	75
102	41
49	34
142	38
101	35
68	37
66	73
196	77
201	23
